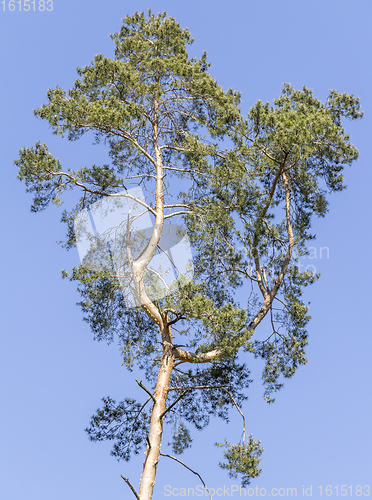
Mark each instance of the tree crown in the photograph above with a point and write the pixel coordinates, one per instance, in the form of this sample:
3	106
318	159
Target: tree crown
247	209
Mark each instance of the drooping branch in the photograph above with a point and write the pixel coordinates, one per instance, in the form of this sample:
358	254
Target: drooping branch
237	407
188	468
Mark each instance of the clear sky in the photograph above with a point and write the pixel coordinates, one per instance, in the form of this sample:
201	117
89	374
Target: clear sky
53	374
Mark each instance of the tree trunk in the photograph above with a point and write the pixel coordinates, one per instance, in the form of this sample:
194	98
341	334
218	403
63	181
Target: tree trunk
156	426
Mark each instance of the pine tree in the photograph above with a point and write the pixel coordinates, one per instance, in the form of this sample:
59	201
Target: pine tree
244	209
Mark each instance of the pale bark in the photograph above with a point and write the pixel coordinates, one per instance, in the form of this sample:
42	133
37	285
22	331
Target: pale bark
167	360
156	425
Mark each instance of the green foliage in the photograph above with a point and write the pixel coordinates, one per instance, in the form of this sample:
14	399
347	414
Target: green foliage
126	423
108	317
221	380
38	169
242	459
181	439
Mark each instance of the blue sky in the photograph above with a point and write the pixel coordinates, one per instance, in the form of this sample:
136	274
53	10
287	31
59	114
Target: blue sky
53	375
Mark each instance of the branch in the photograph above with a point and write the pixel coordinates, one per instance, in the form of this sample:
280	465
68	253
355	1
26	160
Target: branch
290	237
146	390
196	387
271	295
131	487
173	404
179	461
185	389
93	191
257	224
175	213
158	275
178	317
237	407
121	133
263	150
191	357
185	170
177	205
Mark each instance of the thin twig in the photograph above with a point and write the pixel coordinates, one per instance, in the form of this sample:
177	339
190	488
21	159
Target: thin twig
179	461
187	389
131	487
138	414
196	387
146	390
237	407
173	404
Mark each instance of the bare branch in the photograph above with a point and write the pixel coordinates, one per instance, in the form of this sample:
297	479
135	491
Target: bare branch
191	357
146	390
196	387
237	407
185	170
177	205
171	406
175	213
131	487
180	462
